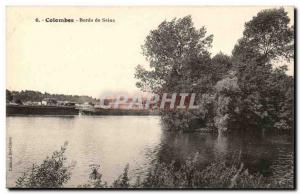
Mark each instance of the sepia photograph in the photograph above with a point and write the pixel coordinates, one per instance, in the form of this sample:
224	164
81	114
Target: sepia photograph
150	97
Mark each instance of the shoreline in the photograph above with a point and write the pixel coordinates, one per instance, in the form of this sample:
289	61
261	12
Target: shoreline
29	110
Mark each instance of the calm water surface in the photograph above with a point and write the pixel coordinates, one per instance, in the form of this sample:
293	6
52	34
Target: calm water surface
114	141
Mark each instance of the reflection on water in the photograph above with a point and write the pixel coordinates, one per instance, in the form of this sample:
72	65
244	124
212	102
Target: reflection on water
271	155
114	141
221	145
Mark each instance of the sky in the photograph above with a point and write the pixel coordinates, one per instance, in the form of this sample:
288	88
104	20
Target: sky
98	58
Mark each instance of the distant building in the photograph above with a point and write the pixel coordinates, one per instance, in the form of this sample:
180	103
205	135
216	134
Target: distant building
49	102
30	103
87	105
65	103
12	103
70	104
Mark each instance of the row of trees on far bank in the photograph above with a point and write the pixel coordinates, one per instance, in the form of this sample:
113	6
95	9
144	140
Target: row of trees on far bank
248	90
35	96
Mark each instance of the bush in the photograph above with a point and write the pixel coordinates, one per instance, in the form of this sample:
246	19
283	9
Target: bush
95	179
51	173
230	173
123	180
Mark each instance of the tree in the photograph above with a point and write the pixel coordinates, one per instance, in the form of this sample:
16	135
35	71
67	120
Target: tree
266	38
221	66
9	96
283	102
19	101
227	103
179	62
176	52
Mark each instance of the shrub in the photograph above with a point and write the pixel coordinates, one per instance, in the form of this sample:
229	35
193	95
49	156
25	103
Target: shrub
95	178
123	180
51	173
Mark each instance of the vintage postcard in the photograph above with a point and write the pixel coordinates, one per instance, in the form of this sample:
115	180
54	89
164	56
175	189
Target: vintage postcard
150	97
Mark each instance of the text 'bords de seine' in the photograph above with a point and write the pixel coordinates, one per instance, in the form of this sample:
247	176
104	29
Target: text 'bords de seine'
83	20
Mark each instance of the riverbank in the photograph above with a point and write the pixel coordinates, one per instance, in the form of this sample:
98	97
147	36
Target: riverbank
116	112
16	110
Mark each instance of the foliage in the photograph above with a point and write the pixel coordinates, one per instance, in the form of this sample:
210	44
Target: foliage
266	38
268	35
35	96
179	62
123	180
228	173
9	96
51	173
176	51
243	91
19	101
95	179
227	103
192	173
221	66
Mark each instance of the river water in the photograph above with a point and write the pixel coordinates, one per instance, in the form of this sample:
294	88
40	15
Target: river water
114	141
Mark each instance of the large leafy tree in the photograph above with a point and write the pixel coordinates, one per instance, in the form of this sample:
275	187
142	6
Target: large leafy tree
179	61
177	54
241	89
266	38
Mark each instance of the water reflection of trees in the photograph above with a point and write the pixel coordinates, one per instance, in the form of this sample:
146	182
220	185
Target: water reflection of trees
257	152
